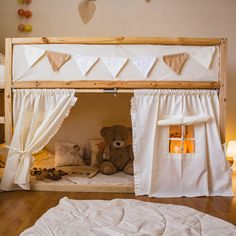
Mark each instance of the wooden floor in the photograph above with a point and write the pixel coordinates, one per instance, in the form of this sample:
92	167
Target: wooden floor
20	209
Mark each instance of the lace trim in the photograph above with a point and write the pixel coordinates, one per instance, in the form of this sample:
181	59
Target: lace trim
135	152
43	91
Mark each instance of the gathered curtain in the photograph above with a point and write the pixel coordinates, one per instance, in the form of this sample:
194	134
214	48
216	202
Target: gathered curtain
158	172
37	116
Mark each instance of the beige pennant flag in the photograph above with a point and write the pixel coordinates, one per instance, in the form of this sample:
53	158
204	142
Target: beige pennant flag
57	59
176	61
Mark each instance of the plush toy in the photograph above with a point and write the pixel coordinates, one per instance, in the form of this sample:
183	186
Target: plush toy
117	154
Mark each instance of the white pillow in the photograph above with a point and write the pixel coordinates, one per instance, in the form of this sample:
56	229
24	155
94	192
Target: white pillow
68	154
96	145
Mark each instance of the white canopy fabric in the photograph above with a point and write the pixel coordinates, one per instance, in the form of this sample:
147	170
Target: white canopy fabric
111	64
159	173
37	115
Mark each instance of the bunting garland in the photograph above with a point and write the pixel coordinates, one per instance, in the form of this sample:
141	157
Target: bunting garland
114	64
204	56
57	59
33	55
176	61
144	64
85	63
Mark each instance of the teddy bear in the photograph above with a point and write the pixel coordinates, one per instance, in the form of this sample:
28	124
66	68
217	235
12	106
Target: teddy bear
117	154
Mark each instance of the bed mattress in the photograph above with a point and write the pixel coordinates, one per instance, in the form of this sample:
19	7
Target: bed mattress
122	217
76	176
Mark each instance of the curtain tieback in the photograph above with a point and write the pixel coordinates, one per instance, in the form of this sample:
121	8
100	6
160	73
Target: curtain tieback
16	150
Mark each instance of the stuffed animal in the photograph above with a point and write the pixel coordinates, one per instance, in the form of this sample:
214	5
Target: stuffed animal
117	154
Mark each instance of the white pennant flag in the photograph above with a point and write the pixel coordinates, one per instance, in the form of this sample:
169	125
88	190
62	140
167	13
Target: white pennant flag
114	64
33	54
204	56
85	63
144	64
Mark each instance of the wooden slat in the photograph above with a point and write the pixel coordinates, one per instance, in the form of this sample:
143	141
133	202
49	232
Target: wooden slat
8	92
119	40
118	84
2	119
223	88
82	188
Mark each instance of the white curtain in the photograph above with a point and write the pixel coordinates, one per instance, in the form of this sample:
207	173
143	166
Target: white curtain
37	116
159	173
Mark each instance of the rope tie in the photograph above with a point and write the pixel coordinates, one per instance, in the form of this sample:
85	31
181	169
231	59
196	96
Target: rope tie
16	150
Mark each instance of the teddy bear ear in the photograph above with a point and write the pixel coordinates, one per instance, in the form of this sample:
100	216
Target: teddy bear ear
103	131
76	147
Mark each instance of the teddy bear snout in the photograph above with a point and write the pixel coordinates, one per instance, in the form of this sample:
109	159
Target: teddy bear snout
118	143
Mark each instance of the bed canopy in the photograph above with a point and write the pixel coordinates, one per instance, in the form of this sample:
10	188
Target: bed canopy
177	110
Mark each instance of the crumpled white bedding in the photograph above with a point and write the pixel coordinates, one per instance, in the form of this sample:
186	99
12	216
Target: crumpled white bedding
121	217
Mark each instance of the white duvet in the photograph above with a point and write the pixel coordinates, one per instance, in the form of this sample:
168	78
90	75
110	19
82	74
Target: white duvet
120	217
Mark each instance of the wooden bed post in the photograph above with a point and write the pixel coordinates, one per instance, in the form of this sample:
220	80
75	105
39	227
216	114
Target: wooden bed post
223	87
8	91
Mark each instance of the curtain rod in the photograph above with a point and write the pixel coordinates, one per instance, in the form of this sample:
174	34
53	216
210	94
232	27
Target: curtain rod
104	90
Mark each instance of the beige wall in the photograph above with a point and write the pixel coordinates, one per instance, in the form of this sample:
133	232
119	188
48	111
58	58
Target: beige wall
90	114
190	18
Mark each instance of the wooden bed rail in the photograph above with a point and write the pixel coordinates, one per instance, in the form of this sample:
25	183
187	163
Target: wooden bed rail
120	40
118	84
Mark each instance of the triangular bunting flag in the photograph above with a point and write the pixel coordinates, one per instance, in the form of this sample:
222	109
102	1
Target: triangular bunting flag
57	59
204	56
114	64
144	64
85	63
176	61
33	54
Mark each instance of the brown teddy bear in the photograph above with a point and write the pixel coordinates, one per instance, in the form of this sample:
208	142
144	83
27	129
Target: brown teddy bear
117	154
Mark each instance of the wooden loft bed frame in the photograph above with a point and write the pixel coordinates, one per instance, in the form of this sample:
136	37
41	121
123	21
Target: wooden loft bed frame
220	84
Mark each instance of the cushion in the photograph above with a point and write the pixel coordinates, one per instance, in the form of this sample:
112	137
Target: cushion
96	145
68	154
44	159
